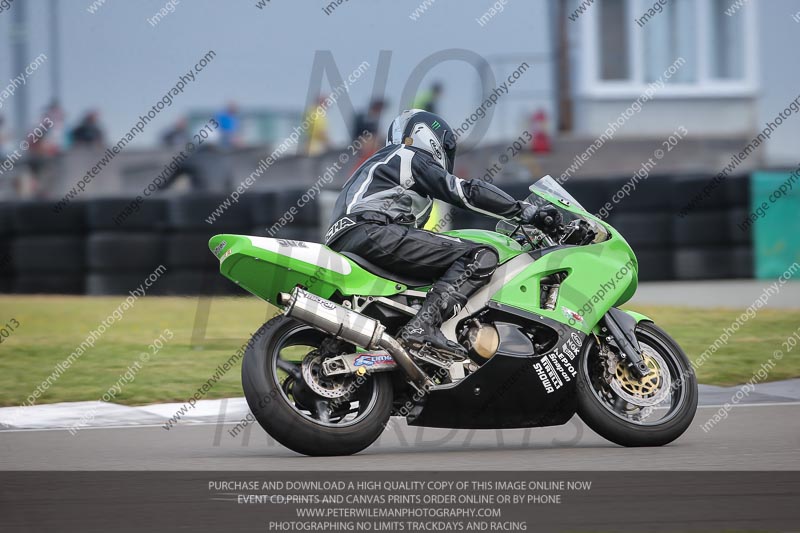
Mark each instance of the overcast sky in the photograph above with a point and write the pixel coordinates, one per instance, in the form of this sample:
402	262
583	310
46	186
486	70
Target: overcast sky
116	61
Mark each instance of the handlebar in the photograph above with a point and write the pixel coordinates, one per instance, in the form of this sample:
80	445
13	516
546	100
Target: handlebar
544	237
548	240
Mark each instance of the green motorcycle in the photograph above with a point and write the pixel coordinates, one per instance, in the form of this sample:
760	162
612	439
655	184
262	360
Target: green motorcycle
545	340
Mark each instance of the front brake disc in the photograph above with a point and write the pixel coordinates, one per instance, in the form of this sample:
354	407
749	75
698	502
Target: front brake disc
649	391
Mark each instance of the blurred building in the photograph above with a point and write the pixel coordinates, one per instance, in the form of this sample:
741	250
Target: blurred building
731	77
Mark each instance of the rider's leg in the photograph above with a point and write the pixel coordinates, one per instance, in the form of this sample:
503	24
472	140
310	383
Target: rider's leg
416	253
458	267
446	298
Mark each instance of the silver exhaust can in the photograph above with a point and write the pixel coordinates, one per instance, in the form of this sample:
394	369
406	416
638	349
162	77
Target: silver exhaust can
352	327
334	319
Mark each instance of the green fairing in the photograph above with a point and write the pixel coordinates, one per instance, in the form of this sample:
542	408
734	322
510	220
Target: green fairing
638	316
506	247
265	273
582	292
600	276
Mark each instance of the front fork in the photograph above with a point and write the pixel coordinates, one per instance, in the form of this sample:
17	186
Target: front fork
621	327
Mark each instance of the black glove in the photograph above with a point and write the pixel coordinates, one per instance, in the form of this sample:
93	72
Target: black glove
528	214
547	218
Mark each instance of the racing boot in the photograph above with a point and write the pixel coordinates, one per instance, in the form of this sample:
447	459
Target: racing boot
445	300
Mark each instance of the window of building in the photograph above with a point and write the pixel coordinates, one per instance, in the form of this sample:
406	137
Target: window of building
628	44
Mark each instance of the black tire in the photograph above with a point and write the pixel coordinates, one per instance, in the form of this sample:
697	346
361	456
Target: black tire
6	257
698	193
651	194
614	428
126	214
737	219
737	191
704	263
49	254
283	422
264	209
655	264
6	223
703	228
743	262
644	229
592	193
305	215
31	217
191	212
125	252
189	250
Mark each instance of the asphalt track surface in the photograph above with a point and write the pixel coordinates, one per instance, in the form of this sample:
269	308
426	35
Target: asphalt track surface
731	294
763	436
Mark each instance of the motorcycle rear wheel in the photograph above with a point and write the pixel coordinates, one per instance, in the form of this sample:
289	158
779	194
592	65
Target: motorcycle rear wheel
299	416
622	412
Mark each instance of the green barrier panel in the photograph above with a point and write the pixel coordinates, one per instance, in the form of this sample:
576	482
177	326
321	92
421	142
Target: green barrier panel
775	217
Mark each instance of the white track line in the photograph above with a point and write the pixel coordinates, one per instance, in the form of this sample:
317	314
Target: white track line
232	423
765	404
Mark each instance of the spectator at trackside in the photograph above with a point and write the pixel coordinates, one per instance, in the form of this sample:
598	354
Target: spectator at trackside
369	120
178	135
44	147
429	100
206	169
229	126
88	133
54	137
317	139
367	127
51	126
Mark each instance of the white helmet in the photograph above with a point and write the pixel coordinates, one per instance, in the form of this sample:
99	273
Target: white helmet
426	131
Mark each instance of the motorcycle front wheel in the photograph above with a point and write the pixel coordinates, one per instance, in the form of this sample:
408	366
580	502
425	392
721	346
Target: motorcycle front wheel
618	406
302	408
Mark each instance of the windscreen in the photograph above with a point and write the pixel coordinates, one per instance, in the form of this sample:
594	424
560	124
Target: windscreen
548	185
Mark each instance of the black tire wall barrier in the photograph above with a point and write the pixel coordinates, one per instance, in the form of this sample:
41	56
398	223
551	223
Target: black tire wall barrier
88	248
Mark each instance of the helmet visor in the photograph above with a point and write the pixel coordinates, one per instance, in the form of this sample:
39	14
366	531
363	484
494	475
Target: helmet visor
449	145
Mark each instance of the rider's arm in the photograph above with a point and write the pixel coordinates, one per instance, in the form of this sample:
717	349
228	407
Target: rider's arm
475	195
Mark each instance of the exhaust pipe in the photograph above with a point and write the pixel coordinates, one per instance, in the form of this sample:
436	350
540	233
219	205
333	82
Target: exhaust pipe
352	327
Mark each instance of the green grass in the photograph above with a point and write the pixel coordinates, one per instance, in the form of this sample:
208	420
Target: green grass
751	346
52	327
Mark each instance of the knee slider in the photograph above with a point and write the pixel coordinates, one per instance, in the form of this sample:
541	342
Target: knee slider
484	263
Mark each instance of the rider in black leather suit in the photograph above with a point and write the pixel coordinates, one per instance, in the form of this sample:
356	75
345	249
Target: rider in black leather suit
383	205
